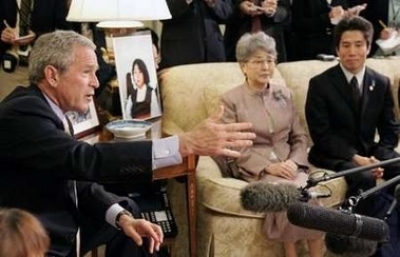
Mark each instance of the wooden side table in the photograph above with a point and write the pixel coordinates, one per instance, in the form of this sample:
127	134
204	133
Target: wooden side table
186	168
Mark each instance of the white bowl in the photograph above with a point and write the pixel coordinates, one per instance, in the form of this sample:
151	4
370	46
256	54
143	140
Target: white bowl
128	128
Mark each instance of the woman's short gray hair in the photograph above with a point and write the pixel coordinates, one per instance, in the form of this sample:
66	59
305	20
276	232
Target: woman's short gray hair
56	49
248	44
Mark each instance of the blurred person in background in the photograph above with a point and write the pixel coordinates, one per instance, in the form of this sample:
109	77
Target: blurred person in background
313	22
269	16
193	34
21	23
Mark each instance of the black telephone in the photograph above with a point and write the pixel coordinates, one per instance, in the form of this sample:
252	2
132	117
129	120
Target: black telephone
156	208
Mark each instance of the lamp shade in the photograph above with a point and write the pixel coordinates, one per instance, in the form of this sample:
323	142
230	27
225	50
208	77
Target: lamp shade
119	24
118	10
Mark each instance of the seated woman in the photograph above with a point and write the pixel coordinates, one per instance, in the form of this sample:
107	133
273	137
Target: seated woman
142	102
279	152
21	234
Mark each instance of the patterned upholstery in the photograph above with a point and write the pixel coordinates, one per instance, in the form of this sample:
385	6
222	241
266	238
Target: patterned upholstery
224	229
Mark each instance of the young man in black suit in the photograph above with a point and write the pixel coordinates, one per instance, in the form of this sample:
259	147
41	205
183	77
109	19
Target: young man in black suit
50	174
345	107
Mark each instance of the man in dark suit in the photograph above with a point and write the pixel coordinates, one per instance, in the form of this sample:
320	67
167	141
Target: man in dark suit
193	34
345	107
48	173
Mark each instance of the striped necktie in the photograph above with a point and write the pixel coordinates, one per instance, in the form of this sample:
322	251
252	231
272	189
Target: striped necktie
68	128
25	17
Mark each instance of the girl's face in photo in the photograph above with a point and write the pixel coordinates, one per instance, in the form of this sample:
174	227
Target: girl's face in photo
138	76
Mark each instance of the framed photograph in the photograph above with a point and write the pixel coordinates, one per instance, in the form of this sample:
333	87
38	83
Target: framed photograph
137	76
84	123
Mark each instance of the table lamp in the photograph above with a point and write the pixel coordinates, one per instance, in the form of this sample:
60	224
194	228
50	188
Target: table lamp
118	10
117	17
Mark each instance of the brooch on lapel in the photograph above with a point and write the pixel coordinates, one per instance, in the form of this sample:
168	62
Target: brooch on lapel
279	97
372	86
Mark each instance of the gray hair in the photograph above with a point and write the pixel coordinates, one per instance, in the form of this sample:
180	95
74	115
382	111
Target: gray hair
56	49
248	44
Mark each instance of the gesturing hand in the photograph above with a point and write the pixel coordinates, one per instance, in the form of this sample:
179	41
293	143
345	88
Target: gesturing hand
211	137
138	228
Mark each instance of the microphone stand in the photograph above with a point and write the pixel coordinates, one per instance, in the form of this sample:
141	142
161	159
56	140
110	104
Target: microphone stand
390	210
353	200
312	182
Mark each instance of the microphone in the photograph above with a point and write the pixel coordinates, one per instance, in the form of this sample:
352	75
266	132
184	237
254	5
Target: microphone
263	196
311	182
337	222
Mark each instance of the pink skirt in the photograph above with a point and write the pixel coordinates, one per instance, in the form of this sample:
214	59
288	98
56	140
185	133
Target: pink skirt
276	225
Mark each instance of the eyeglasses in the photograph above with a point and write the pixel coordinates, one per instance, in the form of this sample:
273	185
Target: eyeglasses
262	62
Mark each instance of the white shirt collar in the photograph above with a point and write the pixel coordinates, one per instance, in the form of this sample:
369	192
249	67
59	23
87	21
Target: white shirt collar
349	75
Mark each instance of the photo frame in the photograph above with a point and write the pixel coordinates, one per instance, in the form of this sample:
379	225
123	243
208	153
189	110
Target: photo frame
137	76
84	123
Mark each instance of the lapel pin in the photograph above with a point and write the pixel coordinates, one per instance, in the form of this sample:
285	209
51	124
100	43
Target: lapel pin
372	86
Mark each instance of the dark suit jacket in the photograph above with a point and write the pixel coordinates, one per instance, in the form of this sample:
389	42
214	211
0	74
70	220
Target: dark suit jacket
312	27
47	15
239	24
193	34
39	160
337	129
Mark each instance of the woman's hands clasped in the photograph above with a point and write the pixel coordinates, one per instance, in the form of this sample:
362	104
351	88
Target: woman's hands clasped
286	169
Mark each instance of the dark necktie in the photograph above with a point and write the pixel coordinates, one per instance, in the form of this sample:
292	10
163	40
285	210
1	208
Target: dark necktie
25	17
355	91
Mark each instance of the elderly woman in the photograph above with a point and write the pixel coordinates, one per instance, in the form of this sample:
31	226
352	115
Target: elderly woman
279	152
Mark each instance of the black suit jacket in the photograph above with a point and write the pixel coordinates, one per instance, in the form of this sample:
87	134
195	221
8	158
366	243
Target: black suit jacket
39	160
193	34
312	27
338	129
47	16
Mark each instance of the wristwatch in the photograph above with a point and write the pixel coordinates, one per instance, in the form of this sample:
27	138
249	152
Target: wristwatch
119	215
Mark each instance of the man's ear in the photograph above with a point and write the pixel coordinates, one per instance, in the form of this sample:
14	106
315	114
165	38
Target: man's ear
51	75
368	49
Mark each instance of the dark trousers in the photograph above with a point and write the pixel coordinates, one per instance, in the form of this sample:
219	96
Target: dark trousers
95	233
362	181
378	204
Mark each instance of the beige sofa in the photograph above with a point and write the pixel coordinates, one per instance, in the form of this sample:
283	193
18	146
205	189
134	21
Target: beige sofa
224	229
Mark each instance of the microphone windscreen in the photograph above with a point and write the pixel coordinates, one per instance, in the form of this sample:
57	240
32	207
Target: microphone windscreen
263	196
337	222
346	246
